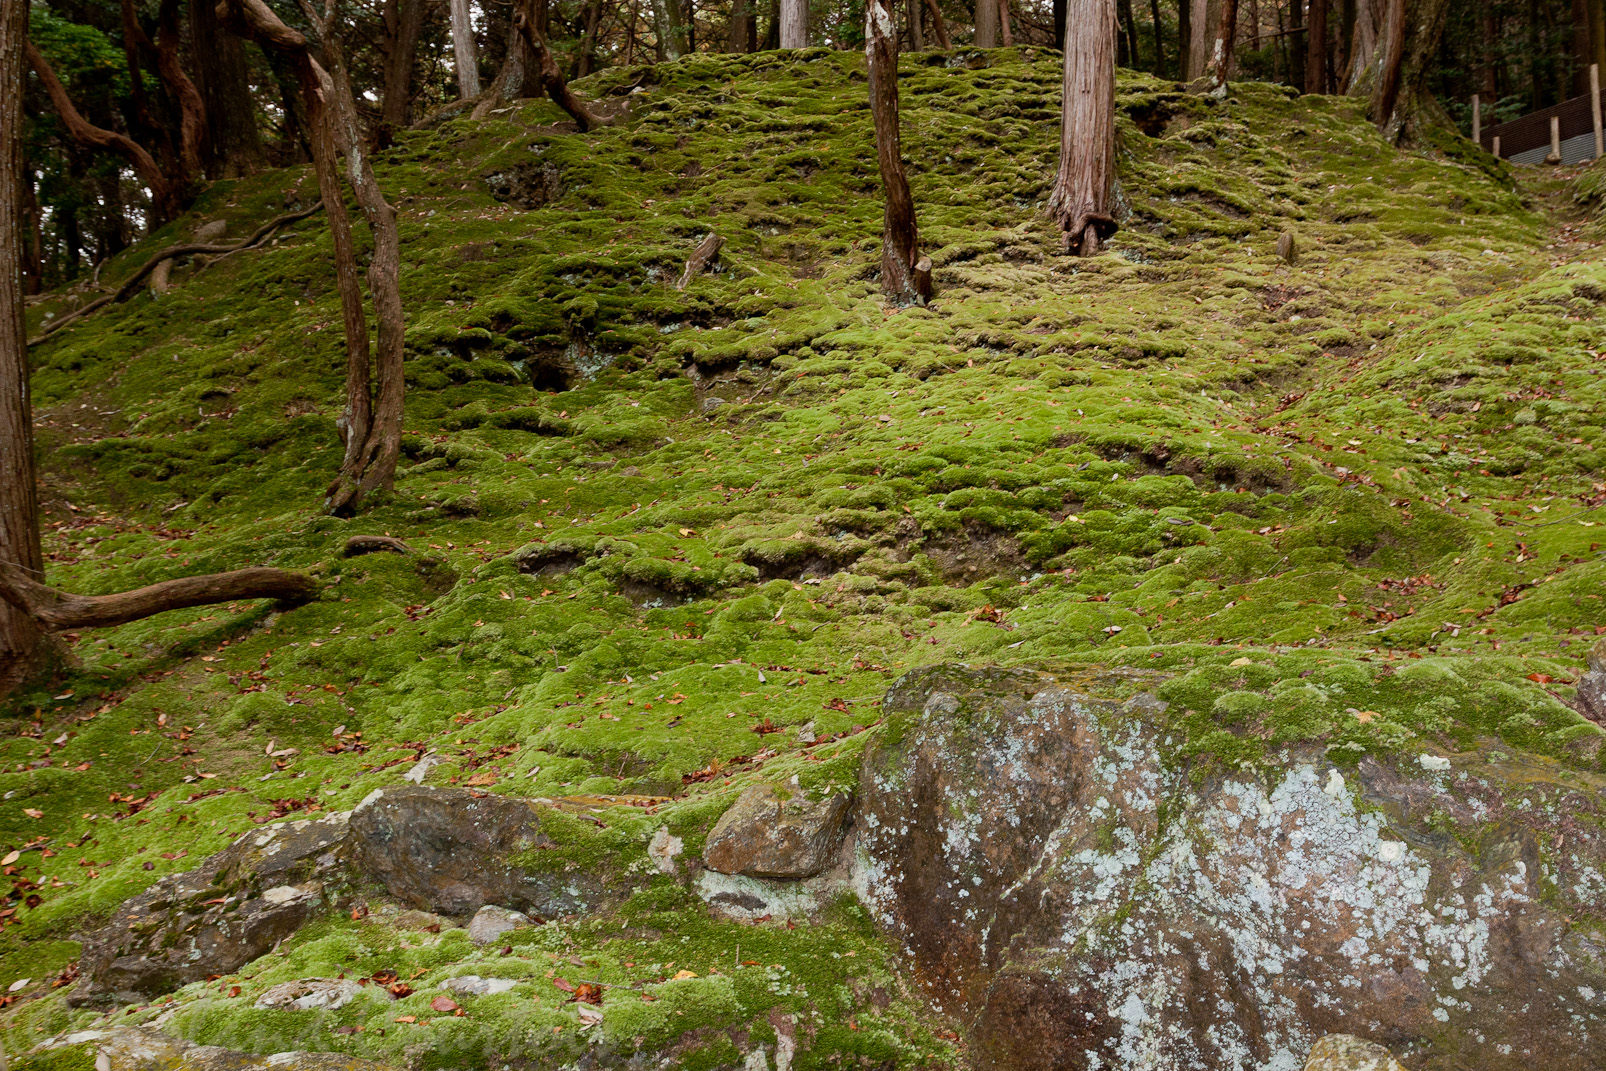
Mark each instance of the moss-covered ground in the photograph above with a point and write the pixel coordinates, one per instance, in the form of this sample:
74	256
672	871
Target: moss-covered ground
659	534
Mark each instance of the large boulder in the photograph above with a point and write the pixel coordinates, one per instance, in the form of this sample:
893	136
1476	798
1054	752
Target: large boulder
1083	903
1591	696
218	917
455	850
776	831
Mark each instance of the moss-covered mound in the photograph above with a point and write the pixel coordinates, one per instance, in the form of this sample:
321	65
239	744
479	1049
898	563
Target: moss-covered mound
661	539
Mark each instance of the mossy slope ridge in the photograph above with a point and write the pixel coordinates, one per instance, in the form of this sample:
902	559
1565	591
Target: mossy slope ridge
658	534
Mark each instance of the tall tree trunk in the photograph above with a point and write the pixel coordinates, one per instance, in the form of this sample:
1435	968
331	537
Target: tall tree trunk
1129	25
1080	201
1061	12
1159	40
905	274
588	46
402	22
1597	35
741	26
233	145
794	23
1204	21
465	55
772	32
1005	34
939	26
166	191
1221	49
1394	73
192	110
670	27
986	24
1316	51
1297	75
917	31
1185	38
1580	53
22	643
1491	79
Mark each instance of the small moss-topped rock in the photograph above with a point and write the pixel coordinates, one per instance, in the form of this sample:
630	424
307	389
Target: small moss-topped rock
1346	1052
777	832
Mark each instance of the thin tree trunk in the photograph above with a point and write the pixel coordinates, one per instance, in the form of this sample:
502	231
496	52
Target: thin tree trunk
1316	48
1185	38
794	23
1061	7
905	274
917	35
165	194
402	22
1299	46
358	421
939	27
986	24
192	110
588	47
551	77
464	52
1221	51
741	15
1580	51
23	647
1159	46
1080	201
233	145
1491	80
1129	25
1387	91
1005	34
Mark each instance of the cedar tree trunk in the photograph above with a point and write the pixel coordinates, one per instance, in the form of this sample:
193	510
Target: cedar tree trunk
192	110
905	274
232	146
1081	197
986	24
670	28
1316	52
22	642
1391	67
1221	49
402	21
794	23
552	78
464	53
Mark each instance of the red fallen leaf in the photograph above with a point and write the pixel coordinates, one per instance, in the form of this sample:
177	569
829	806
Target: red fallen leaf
766	726
589	993
563	985
234	990
443	1004
400	989
1542	678
360	911
384	977
407	1018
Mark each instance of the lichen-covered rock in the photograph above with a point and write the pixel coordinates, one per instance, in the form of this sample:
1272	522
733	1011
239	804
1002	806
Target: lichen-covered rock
777	832
218	917
143	1049
309	993
456	850
1346	1052
1084	902
491	922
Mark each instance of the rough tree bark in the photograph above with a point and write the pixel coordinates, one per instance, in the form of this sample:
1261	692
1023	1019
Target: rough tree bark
1185	38
588	44
402	22
1005	34
23	646
1080	201
905	274
192	110
233	145
794	23
986	24
670	28
939	27
552	78
1316	48
1159	46
166	194
1392	63
55	610
1221	49
743	27
371	422
464	52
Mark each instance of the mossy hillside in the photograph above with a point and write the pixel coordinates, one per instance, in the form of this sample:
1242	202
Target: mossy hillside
1183	455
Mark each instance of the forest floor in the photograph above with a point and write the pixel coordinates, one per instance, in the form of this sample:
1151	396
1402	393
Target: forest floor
657	534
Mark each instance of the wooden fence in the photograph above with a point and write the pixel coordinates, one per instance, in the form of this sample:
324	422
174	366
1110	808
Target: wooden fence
1565	133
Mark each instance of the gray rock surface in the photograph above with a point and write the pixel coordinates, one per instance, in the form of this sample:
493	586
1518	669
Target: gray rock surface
775	831
1067	892
310	993
491	922
475	986
218	917
1346	1052
1591	696
455	850
143	1049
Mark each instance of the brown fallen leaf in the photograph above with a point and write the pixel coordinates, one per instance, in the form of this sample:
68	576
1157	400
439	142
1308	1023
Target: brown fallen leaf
589	993
443	1004
406	1018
